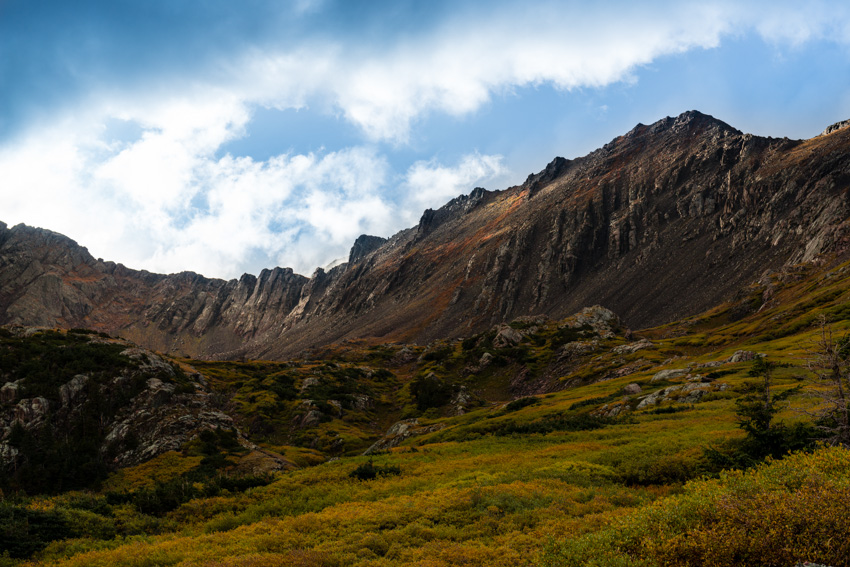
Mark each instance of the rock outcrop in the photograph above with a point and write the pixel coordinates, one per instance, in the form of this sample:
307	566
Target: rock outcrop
400	432
146	406
689	393
660	223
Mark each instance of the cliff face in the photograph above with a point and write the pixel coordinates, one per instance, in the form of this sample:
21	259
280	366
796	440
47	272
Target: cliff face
48	280
664	221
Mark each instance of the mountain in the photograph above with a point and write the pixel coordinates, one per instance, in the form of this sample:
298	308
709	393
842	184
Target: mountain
663	222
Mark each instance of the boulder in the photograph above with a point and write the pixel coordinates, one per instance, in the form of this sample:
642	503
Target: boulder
311	419
10	391
506	336
575	348
460	401
632	389
401	427
159	393
741	356
612	410
689	393
149	361
601	320
68	392
31	410
485	361
669	374
308	382
399	432
404	356
630	348
362	402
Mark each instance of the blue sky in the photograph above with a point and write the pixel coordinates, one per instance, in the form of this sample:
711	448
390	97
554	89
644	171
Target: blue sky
224	137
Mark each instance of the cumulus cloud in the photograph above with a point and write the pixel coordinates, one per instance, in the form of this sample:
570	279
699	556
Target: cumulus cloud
166	202
428	184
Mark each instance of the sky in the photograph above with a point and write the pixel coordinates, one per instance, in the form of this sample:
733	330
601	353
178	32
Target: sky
225	137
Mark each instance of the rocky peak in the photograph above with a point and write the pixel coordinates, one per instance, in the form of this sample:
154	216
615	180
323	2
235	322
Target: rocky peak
552	171
835	127
364	245
455	208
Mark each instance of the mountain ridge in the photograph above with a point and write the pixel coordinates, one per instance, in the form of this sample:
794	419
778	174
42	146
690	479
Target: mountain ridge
633	225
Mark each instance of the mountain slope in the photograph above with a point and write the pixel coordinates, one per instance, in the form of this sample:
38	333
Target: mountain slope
591	474
663	222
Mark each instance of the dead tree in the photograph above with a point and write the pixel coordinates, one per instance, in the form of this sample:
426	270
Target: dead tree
829	363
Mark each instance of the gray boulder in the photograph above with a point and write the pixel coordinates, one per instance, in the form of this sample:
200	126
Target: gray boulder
669	374
31	410
506	336
741	356
631	348
69	391
400	432
632	389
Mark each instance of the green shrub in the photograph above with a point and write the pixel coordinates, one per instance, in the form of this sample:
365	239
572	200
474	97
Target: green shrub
371	471
521	403
780	513
24	531
430	392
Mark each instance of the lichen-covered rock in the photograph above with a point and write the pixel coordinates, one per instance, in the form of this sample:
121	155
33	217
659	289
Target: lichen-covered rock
460	401
632	389
31	411
669	374
689	393
602	321
577	348
69	391
310	419
485	360
631	348
612	410
362	402
160	420
405	355
741	356
400	432
506	336
151	414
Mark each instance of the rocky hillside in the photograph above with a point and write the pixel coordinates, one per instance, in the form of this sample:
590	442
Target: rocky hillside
75	406
536	442
662	222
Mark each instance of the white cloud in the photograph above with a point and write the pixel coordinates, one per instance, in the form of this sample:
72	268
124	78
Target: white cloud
428	184
165	202
455	69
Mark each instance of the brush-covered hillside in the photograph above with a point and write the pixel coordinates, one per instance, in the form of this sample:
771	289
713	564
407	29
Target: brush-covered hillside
715	440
